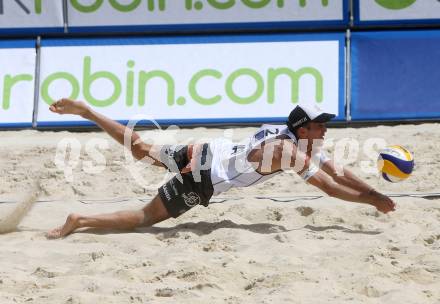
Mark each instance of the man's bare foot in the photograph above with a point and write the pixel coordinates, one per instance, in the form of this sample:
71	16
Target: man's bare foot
68	106
72	223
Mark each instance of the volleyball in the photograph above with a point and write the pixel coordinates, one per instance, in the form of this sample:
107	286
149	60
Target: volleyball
395	163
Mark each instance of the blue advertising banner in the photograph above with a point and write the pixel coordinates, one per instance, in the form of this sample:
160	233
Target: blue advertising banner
395	75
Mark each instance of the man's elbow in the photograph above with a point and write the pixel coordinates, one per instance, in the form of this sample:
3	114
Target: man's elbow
139	151
324	183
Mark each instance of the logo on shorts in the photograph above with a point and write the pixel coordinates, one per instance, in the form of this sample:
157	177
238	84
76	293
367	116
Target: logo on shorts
167	194
191	199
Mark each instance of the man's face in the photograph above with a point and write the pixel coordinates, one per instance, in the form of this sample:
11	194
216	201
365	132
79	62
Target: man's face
313	130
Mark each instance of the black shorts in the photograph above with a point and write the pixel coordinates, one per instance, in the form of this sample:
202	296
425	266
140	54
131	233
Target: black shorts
181	194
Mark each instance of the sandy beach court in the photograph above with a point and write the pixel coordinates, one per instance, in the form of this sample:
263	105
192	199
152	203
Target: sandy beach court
263	244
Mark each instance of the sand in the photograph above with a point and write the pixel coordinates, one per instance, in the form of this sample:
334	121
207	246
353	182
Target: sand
263	244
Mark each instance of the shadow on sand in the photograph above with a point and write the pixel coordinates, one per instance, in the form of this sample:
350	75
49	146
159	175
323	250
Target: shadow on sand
205	228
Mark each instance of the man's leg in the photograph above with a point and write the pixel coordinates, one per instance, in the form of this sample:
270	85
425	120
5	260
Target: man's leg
133	142
154	212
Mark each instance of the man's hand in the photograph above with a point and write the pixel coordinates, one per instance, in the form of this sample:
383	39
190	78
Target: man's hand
382	202
67	106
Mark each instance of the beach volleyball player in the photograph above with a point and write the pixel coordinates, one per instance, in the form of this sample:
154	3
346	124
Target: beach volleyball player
204	170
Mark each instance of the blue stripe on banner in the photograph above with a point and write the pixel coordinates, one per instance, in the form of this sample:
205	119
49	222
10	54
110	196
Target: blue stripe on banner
199	39
16	125
341	81
17	44
204	27
401	22
31	31
403	165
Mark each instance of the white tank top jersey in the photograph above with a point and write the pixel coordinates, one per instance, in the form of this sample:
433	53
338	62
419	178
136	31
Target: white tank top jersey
231	168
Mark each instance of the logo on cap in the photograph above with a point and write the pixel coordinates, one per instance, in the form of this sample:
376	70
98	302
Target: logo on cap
302	120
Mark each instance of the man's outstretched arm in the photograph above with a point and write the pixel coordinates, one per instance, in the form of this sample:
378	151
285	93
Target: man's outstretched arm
382	202
116	130
345	177
359	193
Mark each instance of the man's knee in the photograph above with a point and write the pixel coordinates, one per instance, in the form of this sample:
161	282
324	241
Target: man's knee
154	212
